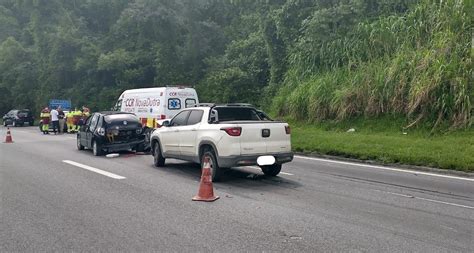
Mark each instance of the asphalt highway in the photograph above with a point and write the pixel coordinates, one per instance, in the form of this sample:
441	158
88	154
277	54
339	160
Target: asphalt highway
56	198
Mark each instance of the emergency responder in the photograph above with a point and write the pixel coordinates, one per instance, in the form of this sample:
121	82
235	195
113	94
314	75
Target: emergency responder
69	121
86	112
45	115
76	117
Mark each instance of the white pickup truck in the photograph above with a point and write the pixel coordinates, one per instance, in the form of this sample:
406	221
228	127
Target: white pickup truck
230	135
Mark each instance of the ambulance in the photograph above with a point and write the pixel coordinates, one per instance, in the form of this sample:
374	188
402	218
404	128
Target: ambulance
154	105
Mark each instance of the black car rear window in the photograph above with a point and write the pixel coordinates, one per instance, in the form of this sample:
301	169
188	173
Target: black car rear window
236	113
130	118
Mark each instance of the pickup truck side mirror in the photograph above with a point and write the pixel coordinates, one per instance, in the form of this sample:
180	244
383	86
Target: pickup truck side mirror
166	123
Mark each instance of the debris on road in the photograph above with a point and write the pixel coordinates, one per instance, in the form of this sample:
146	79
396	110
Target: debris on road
113	155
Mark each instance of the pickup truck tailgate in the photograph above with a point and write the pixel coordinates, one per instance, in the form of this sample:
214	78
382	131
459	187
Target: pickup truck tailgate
251	140
278	140
262	138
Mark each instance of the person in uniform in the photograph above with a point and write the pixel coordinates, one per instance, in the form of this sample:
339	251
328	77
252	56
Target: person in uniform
45	116
76	117
69	121
86	111
85	114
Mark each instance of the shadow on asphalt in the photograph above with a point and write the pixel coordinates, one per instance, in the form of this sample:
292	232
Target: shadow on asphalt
235	177
240	177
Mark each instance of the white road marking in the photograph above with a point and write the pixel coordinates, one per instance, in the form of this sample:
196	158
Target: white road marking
430	200
257	168
446	203
386	168
89	168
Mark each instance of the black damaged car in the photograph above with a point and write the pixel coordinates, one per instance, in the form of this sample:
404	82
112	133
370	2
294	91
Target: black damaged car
18	118
105	132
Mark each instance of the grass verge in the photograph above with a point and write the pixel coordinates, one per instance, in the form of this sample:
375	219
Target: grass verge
381	140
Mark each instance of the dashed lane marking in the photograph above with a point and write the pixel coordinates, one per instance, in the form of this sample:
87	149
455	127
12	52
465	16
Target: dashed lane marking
98	171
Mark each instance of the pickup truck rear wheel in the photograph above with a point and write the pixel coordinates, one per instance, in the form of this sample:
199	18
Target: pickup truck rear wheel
216	172
158	158
271	170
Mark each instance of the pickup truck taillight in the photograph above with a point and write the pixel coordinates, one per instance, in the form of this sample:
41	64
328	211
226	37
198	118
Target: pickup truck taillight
287	129
232	131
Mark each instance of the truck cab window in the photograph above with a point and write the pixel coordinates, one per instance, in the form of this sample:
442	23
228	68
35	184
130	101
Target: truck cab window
180	119
195	117
237	114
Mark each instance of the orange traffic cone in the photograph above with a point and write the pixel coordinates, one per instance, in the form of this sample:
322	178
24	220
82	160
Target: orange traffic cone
206	191
8	139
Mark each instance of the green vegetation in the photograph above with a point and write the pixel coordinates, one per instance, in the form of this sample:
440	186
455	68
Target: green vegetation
415	64
379	140
316	61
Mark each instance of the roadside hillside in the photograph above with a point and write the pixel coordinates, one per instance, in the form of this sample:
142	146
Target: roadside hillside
416	65
311	60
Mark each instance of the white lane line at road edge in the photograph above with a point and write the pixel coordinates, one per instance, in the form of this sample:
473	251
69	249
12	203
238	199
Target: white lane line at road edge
430	200
257	168
89	168
386	168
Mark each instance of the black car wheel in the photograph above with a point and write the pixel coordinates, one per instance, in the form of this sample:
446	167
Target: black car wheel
96	149
271	170
79	145
158	158
216	172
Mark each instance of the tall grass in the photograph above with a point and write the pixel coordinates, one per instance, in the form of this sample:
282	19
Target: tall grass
417	64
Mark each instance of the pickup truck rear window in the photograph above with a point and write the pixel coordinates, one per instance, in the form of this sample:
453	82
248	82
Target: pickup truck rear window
236	114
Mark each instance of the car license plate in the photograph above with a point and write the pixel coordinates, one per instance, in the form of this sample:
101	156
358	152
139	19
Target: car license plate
265	160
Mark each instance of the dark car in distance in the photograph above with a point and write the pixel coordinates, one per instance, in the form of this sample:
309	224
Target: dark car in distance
105	132
18	118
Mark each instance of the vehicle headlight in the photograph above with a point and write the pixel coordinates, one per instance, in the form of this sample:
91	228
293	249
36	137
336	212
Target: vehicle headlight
101	131
138	131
